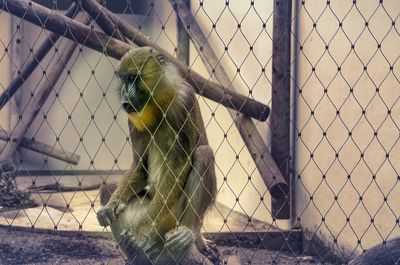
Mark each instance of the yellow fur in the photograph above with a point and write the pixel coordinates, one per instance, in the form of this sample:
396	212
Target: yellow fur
150	113
146	117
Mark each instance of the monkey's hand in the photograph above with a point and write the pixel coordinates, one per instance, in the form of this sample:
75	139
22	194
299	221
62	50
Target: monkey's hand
178	241
109	213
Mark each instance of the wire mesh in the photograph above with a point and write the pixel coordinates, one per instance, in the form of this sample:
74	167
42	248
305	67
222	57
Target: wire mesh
343	154
347	134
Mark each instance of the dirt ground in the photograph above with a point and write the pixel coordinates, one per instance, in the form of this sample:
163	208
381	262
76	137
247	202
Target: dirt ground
24	247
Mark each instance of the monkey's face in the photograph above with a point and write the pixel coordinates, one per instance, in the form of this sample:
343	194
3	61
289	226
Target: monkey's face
148	87
140	71
133	95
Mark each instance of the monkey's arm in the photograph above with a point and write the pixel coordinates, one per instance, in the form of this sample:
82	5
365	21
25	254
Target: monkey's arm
134	180
132	183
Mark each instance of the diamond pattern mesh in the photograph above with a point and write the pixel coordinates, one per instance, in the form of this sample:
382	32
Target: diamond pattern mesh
344	180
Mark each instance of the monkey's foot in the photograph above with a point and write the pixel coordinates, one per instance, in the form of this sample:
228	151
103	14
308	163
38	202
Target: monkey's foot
109	213
178	241
143	252
128	242
208	249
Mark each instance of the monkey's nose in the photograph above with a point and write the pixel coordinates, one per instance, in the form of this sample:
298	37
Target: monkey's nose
128	107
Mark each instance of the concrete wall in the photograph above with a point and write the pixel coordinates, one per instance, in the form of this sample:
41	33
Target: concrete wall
362	167
5	70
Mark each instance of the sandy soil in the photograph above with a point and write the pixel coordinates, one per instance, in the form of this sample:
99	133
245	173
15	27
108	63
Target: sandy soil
25	246
22	247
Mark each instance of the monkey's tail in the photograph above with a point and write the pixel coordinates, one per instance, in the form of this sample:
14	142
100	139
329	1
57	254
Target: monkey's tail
106	190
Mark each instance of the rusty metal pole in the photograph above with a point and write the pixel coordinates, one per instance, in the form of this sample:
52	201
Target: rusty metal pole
280	111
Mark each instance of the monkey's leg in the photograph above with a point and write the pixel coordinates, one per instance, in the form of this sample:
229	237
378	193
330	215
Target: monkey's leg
198	195
200	188
132	183
203	193
179	248
199	192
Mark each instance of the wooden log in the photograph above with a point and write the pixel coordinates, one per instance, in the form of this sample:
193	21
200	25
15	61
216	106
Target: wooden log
60	187
202	86
280	113
387	253
183	48
183	45
269	171
15	52
95	10
43	148
35	60
290	241
99	41
41	96
60	24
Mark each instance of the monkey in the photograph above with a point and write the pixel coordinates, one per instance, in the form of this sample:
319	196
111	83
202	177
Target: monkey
156	211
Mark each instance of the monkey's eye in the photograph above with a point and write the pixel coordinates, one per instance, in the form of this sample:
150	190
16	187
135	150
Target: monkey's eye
132	77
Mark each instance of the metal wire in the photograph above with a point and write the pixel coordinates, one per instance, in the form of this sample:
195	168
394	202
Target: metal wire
344	117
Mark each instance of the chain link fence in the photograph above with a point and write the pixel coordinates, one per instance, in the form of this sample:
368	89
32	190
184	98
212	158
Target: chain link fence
347	133
325	193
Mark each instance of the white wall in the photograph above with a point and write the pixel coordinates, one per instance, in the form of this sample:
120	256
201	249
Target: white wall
350	119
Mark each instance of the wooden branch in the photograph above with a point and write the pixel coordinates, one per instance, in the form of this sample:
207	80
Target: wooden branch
60	24
95	10
183	48
43	148
280	114
99	41
15	52
183	43
289	241
270	172
42	94
60	187
35	60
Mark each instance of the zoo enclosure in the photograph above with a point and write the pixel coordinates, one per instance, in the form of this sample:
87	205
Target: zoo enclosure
331	151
